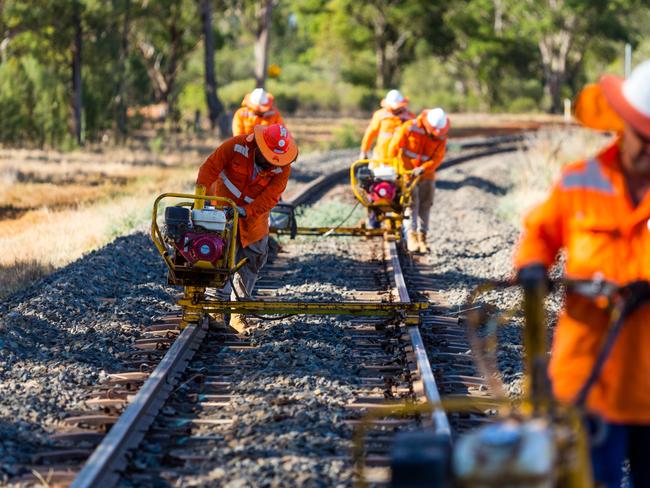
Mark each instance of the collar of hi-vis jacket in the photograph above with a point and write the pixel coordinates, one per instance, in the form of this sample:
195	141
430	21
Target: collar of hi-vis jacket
249	112
248	151
604	174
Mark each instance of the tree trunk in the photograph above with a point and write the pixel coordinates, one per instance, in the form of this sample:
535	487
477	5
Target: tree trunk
554	49
262	39
215	107
76	73
120	99
170	76
380	60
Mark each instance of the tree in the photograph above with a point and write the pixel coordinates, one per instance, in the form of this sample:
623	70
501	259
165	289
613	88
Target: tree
395	26
167	32
564	30
215	107
76	73
256	16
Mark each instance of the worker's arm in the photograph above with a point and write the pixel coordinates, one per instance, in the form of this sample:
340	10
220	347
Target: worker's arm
238	124
543	233
370	134
438	155
212	167
269	198
397	142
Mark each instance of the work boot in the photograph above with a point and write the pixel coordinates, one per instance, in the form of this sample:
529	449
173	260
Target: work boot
422	242
412	243
238	322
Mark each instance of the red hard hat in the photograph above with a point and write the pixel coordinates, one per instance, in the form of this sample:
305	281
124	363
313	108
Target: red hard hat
276	144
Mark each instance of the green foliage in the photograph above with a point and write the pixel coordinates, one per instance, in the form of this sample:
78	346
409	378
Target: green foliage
337	56
346	136
30	99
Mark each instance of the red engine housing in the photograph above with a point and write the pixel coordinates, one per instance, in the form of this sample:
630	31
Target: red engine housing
195	246
384	191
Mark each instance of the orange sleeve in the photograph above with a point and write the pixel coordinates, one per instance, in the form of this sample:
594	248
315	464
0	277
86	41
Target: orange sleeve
269	198
397	142
238	124
543	233
437	156
212	167
371	133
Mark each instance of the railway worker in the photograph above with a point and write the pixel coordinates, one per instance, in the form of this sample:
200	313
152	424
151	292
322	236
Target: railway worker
385	121
420	144
257	108
599	213
253	171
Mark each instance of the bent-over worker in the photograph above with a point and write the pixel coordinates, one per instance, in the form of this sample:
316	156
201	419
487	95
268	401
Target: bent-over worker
420	144
253	171
599	213
257	109
384	123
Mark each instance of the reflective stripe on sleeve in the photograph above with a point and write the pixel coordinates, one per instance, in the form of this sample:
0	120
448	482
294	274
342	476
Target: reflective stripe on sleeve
414	155
230	185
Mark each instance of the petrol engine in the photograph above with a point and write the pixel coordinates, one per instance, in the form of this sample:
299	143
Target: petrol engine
198	240
380	184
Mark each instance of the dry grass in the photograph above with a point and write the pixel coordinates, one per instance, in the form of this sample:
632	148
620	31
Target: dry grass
55	207
536	167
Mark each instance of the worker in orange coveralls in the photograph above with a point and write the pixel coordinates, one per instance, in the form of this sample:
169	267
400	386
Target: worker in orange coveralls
421	144
257	109
599	213
253	171
384	123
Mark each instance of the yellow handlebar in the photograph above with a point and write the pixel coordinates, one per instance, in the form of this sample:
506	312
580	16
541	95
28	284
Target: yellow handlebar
200	191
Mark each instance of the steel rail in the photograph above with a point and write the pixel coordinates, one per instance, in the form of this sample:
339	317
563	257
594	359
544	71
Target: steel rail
103	466
438	416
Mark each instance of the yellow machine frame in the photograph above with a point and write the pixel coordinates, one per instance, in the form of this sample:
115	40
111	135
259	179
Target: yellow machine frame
574	465
392	218
215	277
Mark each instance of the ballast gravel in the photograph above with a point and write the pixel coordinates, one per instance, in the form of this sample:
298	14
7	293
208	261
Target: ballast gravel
68	331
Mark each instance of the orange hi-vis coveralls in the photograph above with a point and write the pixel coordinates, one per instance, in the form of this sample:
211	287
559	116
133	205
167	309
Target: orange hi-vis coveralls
230	172
246	118
383	125
416	147
590	215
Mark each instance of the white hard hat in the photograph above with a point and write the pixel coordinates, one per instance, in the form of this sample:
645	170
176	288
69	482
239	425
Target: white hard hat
394	100
437	121
394	97
259	97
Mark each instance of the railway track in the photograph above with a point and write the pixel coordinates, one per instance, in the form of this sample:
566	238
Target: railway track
176	404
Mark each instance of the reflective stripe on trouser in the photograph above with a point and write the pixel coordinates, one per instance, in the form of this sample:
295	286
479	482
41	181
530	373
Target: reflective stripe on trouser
244	280
421	203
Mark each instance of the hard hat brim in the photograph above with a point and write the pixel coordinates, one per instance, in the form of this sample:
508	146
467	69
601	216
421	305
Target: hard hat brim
271	156
612	87
433	130
394	106
592	110
256	107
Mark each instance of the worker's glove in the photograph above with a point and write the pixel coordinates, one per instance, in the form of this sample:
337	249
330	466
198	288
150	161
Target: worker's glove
363	155
230	213
417	172
534	278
